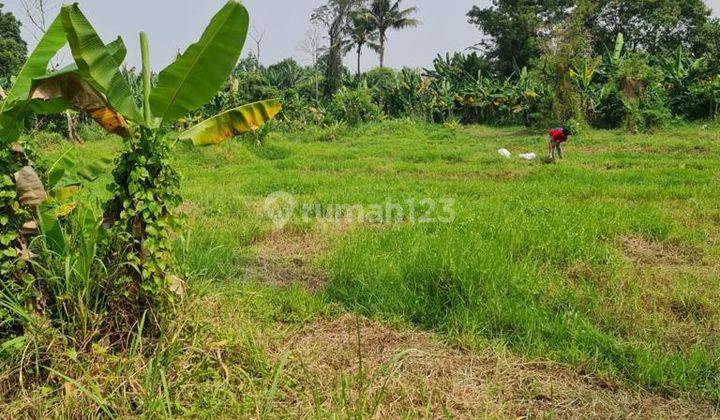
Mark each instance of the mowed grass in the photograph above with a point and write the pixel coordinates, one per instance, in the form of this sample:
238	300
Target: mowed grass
607	261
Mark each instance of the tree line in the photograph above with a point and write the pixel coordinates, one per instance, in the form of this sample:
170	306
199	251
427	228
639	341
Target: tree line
636	64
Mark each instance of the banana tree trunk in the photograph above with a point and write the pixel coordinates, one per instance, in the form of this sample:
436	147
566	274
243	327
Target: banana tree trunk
359	53
71	128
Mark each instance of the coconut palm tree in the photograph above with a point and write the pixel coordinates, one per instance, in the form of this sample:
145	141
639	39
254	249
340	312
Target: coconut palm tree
385	15
361	34
334	16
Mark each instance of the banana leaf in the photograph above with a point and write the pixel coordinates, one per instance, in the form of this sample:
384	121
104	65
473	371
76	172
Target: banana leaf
37	63
14	108
194	78
97	64
619	45
52	231
116	49
231	123
82	96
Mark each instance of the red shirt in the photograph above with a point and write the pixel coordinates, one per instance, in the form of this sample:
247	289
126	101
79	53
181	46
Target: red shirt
558	136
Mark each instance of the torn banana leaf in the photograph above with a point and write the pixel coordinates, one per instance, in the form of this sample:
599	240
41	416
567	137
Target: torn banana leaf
231	123
82	96
116	49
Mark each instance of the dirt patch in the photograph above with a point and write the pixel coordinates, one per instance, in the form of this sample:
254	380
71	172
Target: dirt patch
353	365
643	251
189	209
288	256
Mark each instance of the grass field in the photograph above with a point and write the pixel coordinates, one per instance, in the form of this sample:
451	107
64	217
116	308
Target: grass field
588	286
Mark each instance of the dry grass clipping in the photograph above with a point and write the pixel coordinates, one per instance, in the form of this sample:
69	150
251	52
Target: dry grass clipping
289	256
407	373
645	252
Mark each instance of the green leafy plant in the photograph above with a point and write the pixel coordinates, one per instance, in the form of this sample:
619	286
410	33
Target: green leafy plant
22	187
355	106
145	188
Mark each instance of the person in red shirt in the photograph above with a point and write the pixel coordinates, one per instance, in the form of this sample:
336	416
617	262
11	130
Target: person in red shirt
556	137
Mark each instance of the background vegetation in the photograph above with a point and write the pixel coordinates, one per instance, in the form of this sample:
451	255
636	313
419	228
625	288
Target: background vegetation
603	268
539	64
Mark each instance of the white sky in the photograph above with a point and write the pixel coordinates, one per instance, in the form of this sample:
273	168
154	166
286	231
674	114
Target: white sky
173	24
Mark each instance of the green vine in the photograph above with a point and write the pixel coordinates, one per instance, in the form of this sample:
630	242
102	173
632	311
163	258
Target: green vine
140	215
15	280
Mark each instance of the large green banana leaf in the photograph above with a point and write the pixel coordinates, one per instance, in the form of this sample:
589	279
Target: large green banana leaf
193	79
97	64
619	45
37	64
14	107
55	92
116	49
231	123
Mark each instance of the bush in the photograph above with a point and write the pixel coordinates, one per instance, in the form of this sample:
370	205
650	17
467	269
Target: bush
382	83
355	106
643	97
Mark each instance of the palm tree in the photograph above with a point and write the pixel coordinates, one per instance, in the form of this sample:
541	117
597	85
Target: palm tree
384	15
361	34
334	16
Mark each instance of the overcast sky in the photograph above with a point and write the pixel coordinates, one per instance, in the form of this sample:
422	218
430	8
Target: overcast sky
173	24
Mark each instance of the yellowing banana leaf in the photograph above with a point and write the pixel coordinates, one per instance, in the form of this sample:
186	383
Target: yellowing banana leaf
197	74
65	209
97	64
231	123
63	194
81	96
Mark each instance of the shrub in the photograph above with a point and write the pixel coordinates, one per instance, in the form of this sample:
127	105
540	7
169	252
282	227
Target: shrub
644	99
382	83
355	106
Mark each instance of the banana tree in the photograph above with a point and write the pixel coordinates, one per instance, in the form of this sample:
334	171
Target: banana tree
21	188
583	73
145	189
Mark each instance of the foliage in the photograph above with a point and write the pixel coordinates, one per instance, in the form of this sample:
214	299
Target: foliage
656	26
383	15
510	30
12	217
335	16
361	34
27	189
643	99
355	106
139	216
565	43
12	47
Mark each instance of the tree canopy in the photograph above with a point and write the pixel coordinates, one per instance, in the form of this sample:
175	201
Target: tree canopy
514	29
511	27
13	50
